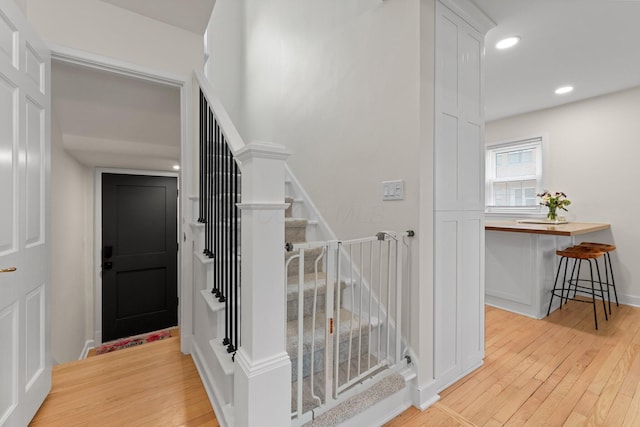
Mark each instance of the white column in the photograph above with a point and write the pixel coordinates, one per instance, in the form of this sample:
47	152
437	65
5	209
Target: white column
262	377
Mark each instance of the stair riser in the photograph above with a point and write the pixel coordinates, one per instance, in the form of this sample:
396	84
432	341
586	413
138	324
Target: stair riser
320	303
319	386
309	266
295	234
288	213
308	304
320	353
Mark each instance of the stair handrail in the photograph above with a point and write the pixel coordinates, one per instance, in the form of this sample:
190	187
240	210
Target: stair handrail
236	143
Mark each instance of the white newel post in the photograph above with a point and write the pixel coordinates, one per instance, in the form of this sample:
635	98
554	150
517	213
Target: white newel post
262	377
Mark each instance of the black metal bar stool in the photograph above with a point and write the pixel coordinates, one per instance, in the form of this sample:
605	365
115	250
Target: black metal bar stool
579	255
608	268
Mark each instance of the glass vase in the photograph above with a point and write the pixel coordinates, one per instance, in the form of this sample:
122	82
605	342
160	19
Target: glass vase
552	215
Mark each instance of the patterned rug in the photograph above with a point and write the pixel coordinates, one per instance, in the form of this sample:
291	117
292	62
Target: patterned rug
132	341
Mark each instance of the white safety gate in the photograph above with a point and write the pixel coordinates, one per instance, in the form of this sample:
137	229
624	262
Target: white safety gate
349	311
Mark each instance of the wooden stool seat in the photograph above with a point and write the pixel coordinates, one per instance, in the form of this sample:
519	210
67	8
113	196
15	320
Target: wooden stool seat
580	253
604	247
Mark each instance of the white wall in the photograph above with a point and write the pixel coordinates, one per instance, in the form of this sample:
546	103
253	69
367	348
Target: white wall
347	86
106	30
22	4
337	82
71	290
593	157
225	68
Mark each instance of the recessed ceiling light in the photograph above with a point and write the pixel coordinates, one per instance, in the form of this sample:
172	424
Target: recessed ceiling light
564	89
507	43
176	167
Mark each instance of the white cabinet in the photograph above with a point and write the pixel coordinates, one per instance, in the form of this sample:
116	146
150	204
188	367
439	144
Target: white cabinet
521	271
459	294
459	199
459	121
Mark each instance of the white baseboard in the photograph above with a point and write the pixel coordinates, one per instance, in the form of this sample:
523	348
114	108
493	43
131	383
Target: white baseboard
88	345
425	395
628	300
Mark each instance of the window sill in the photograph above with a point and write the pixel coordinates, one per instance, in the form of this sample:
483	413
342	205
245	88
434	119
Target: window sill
510	213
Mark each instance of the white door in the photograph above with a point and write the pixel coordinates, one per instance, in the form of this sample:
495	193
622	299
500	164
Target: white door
25	359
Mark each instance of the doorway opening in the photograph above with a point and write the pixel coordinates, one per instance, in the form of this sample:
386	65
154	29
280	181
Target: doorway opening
113	153
139	254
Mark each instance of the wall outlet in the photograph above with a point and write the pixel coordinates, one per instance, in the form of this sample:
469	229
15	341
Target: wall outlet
393	190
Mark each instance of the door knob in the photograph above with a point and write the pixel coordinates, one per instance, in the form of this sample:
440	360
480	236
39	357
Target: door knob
8	270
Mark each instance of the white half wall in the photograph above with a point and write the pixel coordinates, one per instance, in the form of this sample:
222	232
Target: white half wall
593	157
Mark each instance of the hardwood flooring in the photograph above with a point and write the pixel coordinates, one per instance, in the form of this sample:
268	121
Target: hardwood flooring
149	385
558	371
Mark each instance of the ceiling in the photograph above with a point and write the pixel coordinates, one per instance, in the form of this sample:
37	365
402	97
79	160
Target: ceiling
190	15
110	120
589	44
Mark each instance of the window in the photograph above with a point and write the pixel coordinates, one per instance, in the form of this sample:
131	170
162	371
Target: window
514	174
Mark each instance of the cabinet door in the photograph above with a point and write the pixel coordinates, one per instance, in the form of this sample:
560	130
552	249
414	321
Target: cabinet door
447	307
459	295
459	121
471	286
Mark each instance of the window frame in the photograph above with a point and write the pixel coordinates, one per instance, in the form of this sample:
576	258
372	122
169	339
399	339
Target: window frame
491	148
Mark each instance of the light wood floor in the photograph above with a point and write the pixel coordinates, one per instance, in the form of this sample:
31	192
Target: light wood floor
553	372
150	385
557	371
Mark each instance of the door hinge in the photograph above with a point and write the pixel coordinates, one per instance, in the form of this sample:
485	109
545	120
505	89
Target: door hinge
330	325
178	247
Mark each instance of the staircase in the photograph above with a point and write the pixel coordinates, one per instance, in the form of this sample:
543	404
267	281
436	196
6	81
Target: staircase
358	335
345	351
337	385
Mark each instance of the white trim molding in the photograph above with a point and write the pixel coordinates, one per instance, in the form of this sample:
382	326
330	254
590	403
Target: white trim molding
91	60
471	13
88	345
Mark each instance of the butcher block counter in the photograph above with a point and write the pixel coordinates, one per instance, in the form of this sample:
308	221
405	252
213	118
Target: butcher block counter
521	261
540	227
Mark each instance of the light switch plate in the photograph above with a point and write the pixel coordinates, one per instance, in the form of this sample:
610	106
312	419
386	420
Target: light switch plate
393	190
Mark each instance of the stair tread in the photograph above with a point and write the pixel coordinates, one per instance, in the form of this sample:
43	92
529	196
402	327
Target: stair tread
292	221
307	253
308	285
348	322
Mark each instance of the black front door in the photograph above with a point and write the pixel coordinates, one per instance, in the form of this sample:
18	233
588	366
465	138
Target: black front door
139	254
